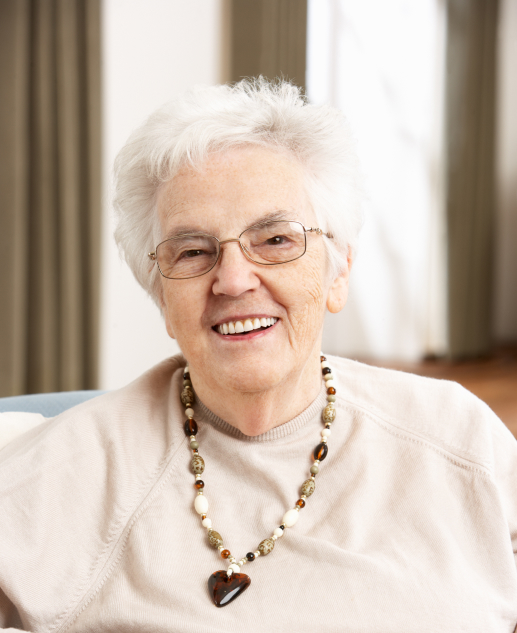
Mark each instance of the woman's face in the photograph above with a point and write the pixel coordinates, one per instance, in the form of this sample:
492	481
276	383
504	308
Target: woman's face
231	192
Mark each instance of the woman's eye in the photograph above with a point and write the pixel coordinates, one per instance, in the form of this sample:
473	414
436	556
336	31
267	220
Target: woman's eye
278	239
192	253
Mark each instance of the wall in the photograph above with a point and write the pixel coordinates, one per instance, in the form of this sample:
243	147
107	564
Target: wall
152	51
382	63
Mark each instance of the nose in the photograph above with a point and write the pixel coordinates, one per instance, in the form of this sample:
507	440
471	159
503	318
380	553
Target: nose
234	272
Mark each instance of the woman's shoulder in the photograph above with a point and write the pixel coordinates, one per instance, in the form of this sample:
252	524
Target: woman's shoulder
441	413
115	418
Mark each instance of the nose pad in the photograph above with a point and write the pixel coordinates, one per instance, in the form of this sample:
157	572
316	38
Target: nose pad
246	252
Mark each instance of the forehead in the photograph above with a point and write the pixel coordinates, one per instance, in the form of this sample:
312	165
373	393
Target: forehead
230	191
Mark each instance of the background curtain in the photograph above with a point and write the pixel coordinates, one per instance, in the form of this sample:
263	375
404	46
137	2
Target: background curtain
470	156
269	38
50	194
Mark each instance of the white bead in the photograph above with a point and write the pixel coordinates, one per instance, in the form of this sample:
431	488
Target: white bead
323	439
198	477
201	504
325	433
278	532
330	383
257	554
328	377
273	538
234	567
324	364
290	518
189	412
240	563
206	523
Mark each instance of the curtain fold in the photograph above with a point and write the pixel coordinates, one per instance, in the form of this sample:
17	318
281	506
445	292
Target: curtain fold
50	219
269	38
470	141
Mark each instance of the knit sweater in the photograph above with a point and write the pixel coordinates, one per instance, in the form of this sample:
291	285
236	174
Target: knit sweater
412	526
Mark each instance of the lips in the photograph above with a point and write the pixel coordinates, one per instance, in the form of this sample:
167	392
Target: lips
245	325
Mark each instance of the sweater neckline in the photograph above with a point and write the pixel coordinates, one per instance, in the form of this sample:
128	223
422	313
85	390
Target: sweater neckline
275	433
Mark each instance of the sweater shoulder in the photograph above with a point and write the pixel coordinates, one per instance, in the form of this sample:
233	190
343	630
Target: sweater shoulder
441	413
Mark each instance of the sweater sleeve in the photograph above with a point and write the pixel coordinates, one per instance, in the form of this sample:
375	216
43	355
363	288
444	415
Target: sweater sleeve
505	472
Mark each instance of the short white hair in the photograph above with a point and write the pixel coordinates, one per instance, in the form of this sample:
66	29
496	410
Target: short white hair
215	119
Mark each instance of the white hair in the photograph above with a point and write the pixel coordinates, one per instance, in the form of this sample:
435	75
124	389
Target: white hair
208	120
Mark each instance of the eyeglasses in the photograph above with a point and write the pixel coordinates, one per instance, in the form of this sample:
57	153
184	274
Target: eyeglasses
195	254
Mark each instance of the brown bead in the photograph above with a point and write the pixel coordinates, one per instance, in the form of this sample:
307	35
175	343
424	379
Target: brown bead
300	503
186	376
203	517
223	588
326	370
187	396
250	556
322	359
215	539
308	487
331	391
225	553
320	452
199	484
266	546
190	427
198	464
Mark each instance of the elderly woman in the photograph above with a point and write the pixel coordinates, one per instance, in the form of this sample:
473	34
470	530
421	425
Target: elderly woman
300	492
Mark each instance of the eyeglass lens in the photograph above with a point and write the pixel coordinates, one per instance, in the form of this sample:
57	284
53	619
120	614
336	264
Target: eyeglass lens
193	255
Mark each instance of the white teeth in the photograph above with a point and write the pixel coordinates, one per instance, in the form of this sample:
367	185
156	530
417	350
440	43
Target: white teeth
237	327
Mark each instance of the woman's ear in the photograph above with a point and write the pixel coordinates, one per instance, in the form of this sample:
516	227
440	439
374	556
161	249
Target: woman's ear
338	292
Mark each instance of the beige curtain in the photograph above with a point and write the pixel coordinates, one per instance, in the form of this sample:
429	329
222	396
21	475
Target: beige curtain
470	139
50	194
269	38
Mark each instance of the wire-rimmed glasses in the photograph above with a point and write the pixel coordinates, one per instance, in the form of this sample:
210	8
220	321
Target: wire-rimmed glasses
191	255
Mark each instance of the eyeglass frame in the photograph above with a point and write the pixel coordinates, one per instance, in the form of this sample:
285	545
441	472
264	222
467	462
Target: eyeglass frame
306	229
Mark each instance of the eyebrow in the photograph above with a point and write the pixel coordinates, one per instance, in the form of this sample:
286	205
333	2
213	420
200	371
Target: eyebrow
273	216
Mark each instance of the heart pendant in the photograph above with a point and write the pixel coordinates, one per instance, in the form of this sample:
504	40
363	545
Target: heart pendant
223	588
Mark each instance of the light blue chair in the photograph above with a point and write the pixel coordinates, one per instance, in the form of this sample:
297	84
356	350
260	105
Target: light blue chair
48	404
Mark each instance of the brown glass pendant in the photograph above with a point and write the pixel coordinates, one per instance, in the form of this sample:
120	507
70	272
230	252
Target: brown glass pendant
223	588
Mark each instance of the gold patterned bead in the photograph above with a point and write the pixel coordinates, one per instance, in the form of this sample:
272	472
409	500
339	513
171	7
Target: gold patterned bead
215	539
198	464
187	397
329	414
308	487
266	546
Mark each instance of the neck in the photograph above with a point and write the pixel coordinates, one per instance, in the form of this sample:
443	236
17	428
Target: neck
254	413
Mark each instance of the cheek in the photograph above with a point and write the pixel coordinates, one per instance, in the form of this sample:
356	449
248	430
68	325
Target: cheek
308	298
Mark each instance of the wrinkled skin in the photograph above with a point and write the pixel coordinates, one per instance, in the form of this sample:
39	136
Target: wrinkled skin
262	382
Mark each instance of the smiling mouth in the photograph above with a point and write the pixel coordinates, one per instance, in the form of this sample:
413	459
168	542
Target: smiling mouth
245	326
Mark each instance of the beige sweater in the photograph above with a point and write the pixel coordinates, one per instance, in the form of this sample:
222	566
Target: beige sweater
412	527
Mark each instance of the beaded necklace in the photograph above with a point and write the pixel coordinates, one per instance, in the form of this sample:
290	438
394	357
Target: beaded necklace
226	585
